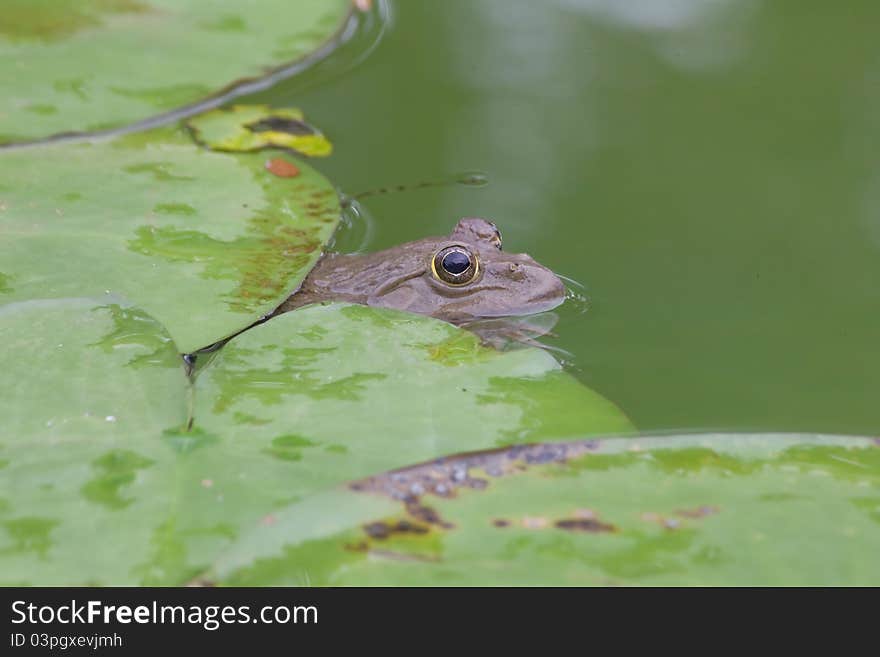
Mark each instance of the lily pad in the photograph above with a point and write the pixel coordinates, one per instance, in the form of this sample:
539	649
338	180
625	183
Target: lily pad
705	510
205	242
115	475
77	65
89	389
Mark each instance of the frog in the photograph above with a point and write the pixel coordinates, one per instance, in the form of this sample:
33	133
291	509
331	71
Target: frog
459	278
464	278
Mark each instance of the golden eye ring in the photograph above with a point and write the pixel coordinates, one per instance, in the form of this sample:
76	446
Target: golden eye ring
455	265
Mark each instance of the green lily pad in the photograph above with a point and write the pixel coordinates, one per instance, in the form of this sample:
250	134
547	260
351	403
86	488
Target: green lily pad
89	388
94	64
205	242
703	510
114	473
252	127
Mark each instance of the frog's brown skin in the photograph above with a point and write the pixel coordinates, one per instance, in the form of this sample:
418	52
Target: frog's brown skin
402	277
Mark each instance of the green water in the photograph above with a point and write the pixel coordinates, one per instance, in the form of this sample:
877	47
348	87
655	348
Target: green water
710	171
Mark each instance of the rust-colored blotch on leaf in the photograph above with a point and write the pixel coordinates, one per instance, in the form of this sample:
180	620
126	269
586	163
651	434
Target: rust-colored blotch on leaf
282	168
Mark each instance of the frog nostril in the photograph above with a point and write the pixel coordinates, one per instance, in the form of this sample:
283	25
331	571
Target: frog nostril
517	271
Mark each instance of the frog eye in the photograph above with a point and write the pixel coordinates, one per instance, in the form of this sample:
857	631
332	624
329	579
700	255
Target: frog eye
455	265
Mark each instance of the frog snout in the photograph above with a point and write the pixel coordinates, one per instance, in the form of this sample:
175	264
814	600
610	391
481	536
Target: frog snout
550	289
543	289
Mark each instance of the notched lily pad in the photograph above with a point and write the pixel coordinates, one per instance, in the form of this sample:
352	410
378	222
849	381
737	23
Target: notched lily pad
253	127
106	482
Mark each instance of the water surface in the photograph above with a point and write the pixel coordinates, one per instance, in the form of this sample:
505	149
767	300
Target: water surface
710	170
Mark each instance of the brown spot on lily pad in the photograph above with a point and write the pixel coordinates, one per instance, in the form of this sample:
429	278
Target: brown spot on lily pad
427	514
285	124
282	168
443	477
379	530
582	520
591	525
385	529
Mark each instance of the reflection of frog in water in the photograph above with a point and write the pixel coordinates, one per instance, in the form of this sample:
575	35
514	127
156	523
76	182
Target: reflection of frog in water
459	278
